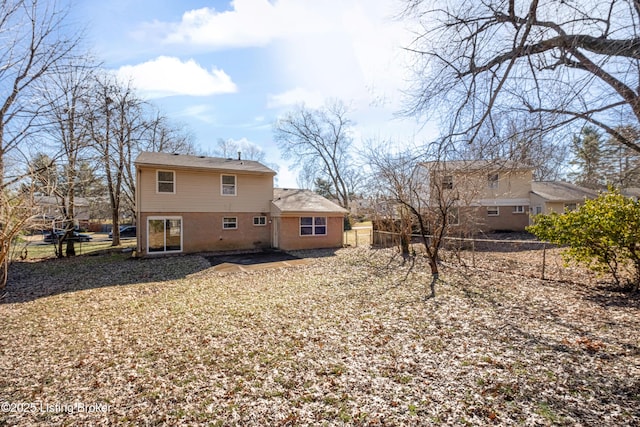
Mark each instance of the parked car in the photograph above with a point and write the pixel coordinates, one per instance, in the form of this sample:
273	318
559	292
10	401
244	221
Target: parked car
125	231
56	235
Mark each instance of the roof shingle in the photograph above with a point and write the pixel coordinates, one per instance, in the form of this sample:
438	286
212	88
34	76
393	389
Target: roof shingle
147	158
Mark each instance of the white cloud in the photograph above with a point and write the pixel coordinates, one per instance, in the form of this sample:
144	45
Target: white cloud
248	23
311	99
167	76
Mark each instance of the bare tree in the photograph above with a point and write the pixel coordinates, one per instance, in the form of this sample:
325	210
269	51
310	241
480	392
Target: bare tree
116	125
517	139
424	199
31	47
565	61
230	148
68	94
319	140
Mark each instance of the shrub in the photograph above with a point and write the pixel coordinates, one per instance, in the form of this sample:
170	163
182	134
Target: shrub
603	234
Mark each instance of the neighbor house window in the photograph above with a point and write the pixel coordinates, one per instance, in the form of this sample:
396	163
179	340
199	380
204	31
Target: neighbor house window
164	234
230	223
313	226
518	209
493	211
492	179
447	182
259	220
537	210
166	182
228	183
570	207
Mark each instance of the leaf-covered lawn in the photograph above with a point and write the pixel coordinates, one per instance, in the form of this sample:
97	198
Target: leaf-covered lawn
347	339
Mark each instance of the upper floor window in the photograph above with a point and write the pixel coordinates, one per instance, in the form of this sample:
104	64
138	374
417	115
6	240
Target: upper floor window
228	183
447	182
166	181
492	179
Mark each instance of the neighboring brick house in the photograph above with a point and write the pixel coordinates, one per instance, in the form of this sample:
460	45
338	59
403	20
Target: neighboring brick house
485	195
188	204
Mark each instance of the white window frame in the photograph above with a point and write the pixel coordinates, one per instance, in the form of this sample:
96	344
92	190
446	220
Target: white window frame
570	207
518	209
314	226
223	185
173	173
260	221
234	222
166	218
493	180
491	209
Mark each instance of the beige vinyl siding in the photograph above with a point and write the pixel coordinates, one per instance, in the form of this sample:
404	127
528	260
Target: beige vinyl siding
199	191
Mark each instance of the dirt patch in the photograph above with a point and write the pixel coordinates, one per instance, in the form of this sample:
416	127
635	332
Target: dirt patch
250	259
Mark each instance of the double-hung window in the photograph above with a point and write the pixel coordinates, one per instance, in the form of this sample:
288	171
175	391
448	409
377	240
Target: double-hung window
230	223
313	226
166	181
493	179
228	185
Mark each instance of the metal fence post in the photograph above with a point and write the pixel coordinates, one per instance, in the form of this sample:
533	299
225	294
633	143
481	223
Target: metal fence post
544	258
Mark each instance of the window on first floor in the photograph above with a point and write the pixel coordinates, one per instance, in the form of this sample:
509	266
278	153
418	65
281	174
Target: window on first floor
230	223
313	226
493	211
570	207
164	234
259	220
518	209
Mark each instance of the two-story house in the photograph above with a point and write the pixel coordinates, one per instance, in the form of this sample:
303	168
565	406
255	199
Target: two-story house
188	204
484	195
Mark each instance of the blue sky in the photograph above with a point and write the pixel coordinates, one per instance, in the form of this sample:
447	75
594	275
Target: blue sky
229	69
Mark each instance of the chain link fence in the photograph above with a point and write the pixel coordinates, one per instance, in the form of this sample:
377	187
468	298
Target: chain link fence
514	253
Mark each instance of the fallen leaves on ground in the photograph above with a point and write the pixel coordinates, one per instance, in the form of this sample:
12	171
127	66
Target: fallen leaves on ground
346	339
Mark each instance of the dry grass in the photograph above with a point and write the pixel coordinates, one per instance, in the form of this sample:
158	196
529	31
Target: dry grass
347	339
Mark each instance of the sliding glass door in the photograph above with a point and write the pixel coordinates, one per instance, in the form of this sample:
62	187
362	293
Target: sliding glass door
164	234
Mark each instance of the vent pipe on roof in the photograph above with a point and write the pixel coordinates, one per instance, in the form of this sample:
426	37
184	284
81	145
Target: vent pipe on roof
239	153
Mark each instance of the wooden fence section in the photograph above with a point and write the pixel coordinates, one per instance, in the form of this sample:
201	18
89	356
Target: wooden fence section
358	236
